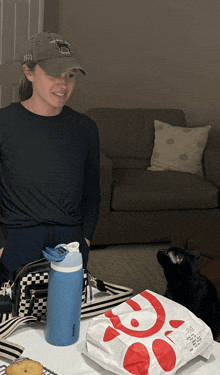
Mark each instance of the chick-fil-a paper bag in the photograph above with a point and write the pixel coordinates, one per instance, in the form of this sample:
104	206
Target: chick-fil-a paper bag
147	335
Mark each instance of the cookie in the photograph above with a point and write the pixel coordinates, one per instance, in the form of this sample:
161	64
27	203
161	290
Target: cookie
25	367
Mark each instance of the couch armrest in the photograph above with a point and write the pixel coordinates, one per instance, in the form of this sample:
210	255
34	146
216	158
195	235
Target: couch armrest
105	183
211	163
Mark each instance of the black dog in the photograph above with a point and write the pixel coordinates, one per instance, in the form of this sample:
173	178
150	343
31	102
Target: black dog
188	287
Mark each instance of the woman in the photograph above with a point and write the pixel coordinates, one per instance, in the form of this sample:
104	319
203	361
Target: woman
49	160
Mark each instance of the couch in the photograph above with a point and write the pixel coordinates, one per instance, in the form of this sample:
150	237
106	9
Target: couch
144	206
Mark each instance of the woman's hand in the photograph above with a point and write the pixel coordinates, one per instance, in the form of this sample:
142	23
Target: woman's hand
88	242
1	251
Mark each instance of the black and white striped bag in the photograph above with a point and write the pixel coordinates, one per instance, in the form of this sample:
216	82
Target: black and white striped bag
28	292
8	349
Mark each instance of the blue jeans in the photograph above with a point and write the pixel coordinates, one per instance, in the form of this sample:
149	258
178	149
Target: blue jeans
25	245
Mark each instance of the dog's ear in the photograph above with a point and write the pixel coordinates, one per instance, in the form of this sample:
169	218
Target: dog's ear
196	254
174	248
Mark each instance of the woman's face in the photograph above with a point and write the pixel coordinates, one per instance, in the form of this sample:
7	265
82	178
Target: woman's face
51	93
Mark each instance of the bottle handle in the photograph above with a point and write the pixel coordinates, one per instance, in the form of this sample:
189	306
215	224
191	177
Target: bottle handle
55	255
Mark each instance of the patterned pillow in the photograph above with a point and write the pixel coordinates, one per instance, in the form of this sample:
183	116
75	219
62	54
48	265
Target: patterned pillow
178	148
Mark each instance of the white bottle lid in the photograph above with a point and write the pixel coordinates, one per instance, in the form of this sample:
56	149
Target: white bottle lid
72	247
70	263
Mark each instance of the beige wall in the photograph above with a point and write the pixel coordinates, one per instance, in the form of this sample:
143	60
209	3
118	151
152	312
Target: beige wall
147	53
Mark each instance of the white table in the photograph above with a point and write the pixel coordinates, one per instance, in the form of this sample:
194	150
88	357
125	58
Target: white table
70	360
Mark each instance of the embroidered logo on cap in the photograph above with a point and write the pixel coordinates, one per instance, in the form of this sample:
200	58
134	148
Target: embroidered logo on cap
63	47
28	57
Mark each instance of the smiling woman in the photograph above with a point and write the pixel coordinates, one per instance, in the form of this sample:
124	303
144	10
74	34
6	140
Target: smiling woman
50	94
49	160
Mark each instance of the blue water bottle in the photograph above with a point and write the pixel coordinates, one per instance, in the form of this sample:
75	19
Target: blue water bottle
64	294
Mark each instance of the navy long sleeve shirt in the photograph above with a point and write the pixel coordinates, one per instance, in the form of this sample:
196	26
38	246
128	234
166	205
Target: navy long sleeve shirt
49	169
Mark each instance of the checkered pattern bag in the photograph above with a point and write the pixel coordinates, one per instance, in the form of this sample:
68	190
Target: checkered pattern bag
30	287
29	301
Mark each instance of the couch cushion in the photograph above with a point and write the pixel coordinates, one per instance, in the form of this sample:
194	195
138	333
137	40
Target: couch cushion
143	190
127	135
178	149
134	163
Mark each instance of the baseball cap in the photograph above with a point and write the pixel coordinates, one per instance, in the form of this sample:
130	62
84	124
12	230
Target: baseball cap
52	52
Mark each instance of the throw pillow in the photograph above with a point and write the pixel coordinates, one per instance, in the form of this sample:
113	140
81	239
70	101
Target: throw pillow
178	148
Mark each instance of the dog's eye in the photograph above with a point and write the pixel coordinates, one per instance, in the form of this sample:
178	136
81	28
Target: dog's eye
179	259
172	257
175	259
